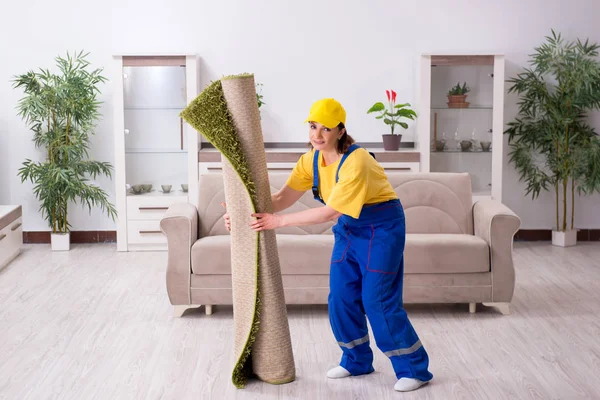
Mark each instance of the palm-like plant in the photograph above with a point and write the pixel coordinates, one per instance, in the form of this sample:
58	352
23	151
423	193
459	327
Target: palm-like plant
61	110
551	143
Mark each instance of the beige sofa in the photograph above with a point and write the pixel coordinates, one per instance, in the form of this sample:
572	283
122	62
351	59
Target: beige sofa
456	251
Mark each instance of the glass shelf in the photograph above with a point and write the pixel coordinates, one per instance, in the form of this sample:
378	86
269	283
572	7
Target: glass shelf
154	151
154	108
463	109
460	151
159	192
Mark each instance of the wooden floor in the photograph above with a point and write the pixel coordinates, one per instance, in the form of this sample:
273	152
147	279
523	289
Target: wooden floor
96	324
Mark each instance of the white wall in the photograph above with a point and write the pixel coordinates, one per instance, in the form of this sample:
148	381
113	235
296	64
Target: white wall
300	51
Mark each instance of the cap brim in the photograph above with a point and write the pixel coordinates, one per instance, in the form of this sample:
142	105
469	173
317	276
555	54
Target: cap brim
326	122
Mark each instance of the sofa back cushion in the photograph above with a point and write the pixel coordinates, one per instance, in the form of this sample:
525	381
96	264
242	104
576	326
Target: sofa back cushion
433	203
212	194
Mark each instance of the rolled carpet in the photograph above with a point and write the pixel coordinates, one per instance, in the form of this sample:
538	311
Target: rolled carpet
226	113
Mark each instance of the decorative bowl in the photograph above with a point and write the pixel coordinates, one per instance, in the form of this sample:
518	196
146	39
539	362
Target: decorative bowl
466	145
137	189
439	145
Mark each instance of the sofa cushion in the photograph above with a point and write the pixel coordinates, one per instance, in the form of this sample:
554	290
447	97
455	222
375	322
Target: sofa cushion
311	254
440	253
298	254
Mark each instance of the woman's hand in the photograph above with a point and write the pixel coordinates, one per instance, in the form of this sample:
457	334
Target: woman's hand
266	221
226	218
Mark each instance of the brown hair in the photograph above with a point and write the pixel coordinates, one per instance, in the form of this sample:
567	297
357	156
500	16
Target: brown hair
344	143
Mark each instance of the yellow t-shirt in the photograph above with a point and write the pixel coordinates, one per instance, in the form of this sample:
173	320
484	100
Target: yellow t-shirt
361	181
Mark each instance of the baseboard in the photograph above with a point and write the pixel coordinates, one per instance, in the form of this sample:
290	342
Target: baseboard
534	235
76	237
523	235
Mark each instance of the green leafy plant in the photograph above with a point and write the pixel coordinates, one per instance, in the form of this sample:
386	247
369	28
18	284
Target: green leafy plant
551	143
392	114
61	110
459	90
259	96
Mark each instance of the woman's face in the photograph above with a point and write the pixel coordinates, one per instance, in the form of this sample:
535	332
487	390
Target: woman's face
323	138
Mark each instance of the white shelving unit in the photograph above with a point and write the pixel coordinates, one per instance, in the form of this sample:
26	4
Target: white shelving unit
11	233
481	121
153	145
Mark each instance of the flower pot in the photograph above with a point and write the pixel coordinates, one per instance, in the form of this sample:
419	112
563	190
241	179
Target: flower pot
391	142
60	241
458	101
564	238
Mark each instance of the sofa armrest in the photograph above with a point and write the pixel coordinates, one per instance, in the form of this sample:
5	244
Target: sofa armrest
497	224
180	225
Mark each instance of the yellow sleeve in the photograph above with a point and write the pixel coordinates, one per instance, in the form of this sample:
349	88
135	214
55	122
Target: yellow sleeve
349	194
301	178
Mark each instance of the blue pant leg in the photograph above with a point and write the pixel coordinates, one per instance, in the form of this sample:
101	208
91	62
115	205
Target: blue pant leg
346	312
382	298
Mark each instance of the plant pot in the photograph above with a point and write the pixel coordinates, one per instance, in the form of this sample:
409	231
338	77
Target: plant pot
60	241
391	142
564	238
458	101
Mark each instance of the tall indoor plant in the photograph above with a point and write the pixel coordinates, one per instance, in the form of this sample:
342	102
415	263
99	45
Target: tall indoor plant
551	143
391	116
62	110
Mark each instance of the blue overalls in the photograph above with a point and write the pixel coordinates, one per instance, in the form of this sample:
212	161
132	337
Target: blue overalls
366	277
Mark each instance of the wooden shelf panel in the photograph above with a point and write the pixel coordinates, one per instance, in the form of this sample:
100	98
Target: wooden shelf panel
292	155
461	60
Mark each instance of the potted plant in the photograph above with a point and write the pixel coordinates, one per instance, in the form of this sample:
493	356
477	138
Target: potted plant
551	143
61	110
259	95
457	96
391	115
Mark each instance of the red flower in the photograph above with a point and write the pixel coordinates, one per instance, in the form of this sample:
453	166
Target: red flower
393	96
388	94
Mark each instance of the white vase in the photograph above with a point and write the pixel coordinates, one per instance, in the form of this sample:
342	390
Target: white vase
60	241
564	238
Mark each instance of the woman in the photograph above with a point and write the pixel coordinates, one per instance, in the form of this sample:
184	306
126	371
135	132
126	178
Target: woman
367	263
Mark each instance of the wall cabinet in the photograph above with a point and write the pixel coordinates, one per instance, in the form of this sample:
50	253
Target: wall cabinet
154	147
458	133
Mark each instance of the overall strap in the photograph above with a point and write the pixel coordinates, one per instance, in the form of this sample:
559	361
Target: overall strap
315	187
346	154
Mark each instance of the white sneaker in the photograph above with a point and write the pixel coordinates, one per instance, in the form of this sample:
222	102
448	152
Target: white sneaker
408	384
338	372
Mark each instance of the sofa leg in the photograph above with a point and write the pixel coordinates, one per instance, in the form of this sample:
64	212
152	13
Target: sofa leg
504	308
178	310
472	308
208	309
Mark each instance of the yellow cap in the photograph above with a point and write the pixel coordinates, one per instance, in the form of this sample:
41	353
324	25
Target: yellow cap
328	112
